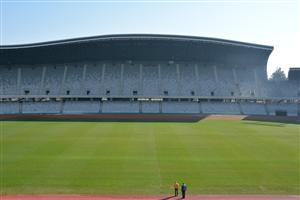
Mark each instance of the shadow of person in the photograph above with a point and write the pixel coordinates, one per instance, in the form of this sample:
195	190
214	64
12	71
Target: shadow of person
169	197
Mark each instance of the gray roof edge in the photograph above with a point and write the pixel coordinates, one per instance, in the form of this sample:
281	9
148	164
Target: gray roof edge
142	37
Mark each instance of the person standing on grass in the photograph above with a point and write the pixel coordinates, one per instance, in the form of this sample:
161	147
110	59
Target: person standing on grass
183	190
176	188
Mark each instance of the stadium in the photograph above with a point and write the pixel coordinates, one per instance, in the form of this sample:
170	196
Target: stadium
130	114
143	74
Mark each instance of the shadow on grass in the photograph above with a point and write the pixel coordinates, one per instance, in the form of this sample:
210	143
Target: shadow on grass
278	119
140	117
264	124
187	118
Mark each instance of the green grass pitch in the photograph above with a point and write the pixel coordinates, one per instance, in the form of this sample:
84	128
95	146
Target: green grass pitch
211	156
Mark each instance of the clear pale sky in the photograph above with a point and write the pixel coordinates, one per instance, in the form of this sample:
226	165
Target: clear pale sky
270	22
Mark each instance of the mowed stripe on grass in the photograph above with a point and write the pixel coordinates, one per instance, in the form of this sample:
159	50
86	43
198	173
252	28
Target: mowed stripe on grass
211	156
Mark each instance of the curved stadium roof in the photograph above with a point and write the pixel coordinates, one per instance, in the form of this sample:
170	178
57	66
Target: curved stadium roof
147	47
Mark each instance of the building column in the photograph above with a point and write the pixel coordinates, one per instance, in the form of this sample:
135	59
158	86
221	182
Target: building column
83	79
19	78
62	106
140	107
43	80
102	88
240	108
266	108
234	75
159	79
178	80
200	107
160	106
198	88
100	106
122	79
257	87
63	79
298	106
20	107
216	73
236	82
141	92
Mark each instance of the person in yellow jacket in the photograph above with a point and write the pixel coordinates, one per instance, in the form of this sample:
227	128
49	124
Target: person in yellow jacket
176	188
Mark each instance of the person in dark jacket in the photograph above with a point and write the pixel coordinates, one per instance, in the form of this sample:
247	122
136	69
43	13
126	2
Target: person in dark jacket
183	190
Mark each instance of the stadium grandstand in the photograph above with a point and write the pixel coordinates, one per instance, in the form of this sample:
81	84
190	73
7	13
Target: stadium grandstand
143	73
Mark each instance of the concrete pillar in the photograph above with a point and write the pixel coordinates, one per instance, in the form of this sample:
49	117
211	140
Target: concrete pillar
62	106
63	79
140	107
140	92
102	87
20	107
100	106
200	107
240	108
19	78
198	88
216	73
266	108
234	75
178	80
160	106
236	81
122	79
83	79
159	79
298	105
257	86
43	80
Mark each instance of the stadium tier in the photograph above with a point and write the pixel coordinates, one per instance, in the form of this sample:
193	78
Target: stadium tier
142	74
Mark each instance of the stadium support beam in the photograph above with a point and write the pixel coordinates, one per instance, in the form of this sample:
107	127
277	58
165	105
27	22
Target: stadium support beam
216	73
178	79
159	79
44	71
257	85
266	108
198	90
20	107
141	80
83	78
19	78
236	81
160	107
100	107
140	107
102	88
63	79
122	80
298	105
240	108
234	75
61	109
200	107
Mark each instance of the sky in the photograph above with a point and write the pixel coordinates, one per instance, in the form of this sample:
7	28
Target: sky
269	22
